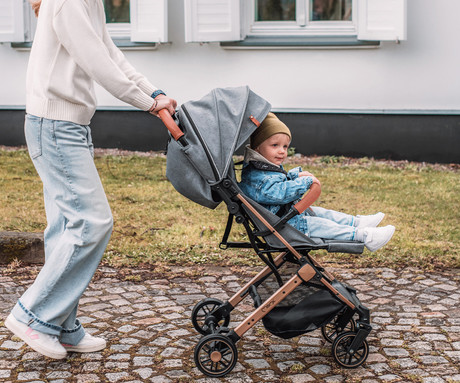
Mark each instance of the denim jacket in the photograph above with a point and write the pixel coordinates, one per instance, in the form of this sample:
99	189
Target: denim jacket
271	186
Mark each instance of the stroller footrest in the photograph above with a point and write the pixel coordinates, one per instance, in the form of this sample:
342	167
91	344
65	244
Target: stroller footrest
351	247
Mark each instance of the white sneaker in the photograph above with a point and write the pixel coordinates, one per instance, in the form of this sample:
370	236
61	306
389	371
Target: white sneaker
89	343
45	344
376	237
370	220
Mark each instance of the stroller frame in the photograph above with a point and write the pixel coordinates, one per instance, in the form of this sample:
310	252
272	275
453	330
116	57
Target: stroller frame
206	133
216	354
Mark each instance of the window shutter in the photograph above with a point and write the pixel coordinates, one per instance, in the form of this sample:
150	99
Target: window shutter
149	21
12	21
212	20
382	20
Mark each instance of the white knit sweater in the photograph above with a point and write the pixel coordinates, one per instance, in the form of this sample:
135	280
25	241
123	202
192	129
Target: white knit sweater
71	49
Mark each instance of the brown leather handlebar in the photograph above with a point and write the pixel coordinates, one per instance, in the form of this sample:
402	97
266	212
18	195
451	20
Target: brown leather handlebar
170	124
310	197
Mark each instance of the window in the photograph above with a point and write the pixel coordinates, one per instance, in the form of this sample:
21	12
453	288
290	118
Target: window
117	11
330	10
117	15
134	20
301	17
269	10
294	21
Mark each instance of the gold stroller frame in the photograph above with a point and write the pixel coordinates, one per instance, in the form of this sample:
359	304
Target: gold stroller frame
216	353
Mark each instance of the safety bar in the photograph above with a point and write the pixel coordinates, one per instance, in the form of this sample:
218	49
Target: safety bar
312	195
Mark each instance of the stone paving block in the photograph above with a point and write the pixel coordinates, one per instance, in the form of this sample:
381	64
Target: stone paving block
300	378
415	317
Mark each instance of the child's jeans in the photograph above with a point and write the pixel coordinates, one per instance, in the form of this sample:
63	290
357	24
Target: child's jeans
328	224
79	226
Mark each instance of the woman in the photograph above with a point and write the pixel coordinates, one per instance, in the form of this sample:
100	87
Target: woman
71	50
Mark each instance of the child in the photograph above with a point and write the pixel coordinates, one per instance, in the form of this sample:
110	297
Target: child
265	181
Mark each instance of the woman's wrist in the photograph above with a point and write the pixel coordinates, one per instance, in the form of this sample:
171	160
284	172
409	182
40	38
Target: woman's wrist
157	93
155	104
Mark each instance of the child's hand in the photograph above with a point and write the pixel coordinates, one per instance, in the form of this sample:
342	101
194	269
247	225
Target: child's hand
305	174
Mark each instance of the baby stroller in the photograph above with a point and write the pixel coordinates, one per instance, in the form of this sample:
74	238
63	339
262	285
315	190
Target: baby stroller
293	294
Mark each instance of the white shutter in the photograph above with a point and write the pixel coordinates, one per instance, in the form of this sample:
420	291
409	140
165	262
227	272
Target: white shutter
212	20
149	21
12	21
382	19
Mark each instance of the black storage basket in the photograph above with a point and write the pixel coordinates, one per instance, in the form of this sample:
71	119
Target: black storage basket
308	307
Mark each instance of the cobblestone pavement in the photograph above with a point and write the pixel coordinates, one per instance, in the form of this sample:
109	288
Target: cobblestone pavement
145	317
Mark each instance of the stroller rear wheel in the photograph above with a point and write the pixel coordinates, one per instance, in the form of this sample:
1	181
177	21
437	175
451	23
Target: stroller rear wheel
331	330
202	310
215	355
340	351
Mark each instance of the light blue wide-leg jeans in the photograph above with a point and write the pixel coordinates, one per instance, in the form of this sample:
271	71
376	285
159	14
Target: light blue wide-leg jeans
79	226
329	224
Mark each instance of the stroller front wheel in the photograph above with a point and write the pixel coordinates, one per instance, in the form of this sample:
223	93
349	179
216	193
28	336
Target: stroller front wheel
202	310
215	355
341	351
331	330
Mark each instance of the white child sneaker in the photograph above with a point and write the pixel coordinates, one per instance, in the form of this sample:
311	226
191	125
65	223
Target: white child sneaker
375	237
45	344
369	220
89	343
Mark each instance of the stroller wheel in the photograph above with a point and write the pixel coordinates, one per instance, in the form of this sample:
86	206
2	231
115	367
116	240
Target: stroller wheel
331	330
215	355
340	351
202	310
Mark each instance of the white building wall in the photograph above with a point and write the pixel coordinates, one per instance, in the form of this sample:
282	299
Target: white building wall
421	74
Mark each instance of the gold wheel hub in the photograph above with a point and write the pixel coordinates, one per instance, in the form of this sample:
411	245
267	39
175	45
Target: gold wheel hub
216	356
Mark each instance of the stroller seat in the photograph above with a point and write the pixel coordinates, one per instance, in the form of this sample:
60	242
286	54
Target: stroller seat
296	238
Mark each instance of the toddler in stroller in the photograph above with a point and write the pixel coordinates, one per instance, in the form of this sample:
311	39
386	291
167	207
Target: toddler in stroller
265	181
293	294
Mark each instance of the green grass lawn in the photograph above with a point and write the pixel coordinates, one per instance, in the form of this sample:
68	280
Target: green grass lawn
154	224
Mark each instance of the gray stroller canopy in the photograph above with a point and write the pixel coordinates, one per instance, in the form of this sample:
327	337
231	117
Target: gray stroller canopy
215	127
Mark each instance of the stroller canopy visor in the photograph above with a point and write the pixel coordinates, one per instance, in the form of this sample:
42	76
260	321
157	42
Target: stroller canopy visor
215	127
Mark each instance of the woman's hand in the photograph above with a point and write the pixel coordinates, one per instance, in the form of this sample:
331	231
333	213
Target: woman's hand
163	102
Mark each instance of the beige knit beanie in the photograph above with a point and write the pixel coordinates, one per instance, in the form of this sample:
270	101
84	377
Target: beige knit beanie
270	126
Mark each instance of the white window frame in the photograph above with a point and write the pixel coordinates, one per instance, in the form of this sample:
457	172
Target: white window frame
302	26
372	20
119	30
149	23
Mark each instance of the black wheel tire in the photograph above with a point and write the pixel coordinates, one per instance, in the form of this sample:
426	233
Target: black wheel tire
340	351
215	355
330	331
200	312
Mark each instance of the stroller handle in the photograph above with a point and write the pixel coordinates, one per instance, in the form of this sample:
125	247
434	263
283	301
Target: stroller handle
310	197
171	125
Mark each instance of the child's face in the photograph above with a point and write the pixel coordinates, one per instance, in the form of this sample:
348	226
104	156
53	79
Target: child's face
275	148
